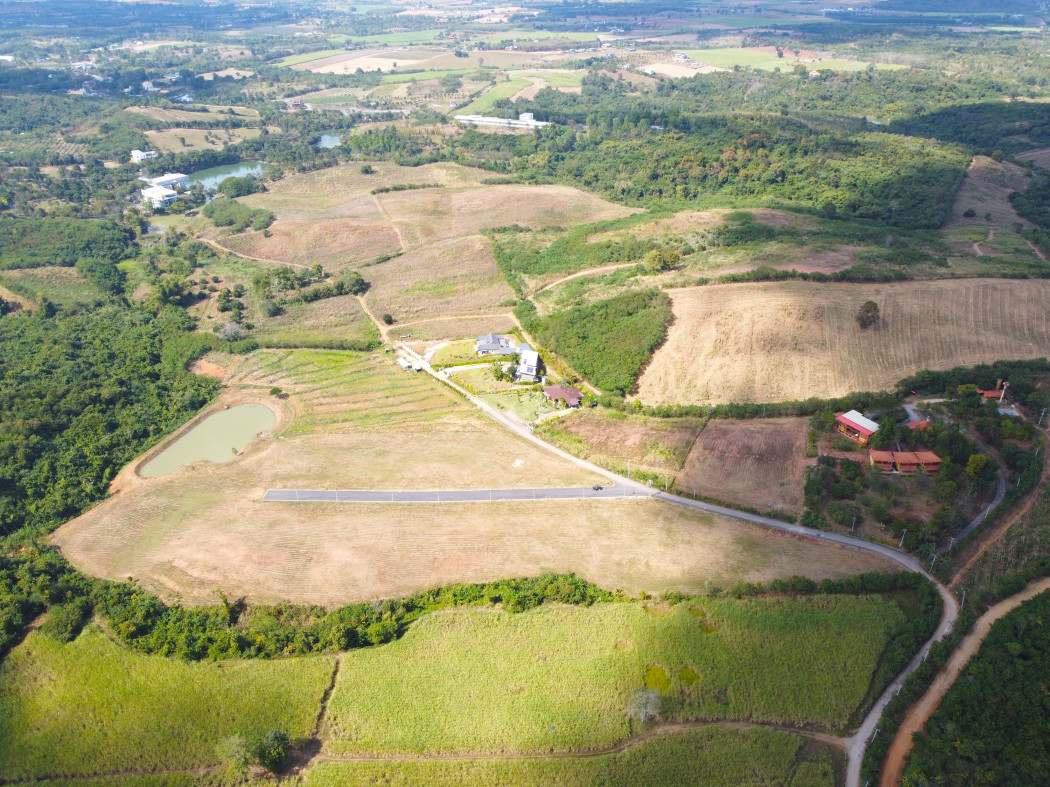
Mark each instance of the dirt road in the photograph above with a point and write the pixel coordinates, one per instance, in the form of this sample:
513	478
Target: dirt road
893	768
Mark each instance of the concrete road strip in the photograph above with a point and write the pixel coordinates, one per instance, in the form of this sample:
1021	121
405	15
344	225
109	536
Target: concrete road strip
450	495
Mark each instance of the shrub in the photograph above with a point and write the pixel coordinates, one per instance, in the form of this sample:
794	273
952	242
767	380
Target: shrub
272	751
388	319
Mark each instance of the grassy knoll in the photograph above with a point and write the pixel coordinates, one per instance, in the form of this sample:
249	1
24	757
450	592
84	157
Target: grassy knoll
793	340
306	57
706	757
528	405
563	678
767	60
92	707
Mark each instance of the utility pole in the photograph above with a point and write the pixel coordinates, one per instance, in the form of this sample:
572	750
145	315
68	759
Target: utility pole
1041	417
934	563
854	527
628	469
951	544
901	544
963	602
873	737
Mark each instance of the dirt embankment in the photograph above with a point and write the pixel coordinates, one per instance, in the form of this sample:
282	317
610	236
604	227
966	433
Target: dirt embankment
917	717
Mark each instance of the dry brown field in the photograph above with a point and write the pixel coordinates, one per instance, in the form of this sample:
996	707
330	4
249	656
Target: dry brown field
428	216
438	328
169	140
793	340
610	439
326	323
1041	157
757	463
353	420
446	279
334	243
184	116
986	189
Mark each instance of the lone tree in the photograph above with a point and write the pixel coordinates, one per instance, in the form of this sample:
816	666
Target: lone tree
868	314
645	706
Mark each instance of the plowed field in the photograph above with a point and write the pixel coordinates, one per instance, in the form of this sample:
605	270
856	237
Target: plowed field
793	340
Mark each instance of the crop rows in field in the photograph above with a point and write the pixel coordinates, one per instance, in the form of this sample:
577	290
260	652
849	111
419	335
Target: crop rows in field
347	389
794	340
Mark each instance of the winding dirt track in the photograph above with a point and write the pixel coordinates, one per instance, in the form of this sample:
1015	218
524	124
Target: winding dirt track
893	768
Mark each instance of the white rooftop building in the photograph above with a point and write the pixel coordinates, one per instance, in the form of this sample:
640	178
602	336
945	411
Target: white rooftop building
159	196
528	365
138	156
525	120
171	180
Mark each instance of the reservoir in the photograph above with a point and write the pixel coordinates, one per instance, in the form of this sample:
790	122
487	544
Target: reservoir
329	141
217	438
211	178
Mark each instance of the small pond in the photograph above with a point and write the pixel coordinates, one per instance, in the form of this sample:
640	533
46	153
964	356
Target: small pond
211	178
329	141
217	438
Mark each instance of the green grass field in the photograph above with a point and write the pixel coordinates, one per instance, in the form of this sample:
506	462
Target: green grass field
459	351
528	404
91	706
484	102
705	757
562	678
306	57
732	56
555	78
333	322
64	286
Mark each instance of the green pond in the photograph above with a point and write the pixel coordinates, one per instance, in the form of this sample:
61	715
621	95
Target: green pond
217	438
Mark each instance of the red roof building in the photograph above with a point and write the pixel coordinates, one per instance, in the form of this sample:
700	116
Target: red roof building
856	427
929	461
570	394
907	462
881	459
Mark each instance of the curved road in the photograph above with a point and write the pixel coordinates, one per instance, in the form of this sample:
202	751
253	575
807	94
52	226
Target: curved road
859	742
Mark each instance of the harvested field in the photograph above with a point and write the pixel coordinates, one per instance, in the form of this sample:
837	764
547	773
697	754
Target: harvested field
332	322
757	463
432	215
688	224
358	421
457	276
334	243
793	340
343	192
610	438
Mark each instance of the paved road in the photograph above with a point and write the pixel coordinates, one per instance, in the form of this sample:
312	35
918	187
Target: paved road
451	495
859	742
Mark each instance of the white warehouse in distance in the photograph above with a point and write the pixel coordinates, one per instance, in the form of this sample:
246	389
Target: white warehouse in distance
525	120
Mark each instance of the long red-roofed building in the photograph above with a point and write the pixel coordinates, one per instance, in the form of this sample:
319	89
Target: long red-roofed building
856	427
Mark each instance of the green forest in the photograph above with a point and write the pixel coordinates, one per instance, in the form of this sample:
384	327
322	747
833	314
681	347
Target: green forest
608	342
993	727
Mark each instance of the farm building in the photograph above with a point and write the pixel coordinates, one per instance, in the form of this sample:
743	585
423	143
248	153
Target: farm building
856	427
159	196
905	462
138	156
570	394
929	461
525	120
882	460
916	424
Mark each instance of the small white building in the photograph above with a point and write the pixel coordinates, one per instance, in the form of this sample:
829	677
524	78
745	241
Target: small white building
525	120
159	196
138	156
528	366
171	180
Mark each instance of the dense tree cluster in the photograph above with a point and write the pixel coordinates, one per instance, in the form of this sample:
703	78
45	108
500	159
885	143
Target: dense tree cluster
30	243
993	726
608	342
81	394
